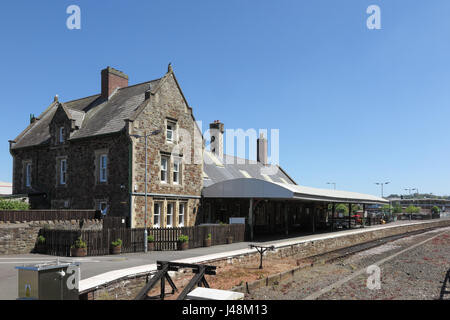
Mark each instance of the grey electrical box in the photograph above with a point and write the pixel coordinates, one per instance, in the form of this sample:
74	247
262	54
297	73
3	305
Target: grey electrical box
49	281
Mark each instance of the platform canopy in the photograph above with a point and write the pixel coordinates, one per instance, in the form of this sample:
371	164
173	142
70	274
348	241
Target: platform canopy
261	189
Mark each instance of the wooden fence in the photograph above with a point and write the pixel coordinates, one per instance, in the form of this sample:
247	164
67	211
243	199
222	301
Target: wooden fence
47	215
58	242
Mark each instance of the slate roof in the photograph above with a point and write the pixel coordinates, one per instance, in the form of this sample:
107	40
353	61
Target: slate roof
230	167
93	115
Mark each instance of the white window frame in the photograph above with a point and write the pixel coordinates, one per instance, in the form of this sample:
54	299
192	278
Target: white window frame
103	173
176	173
62	171
172	131
28	174
164	169
181	214
61	134
169	215
156	205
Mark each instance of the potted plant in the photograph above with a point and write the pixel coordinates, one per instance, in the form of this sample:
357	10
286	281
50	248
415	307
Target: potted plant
79	248
40	247
229	239
183	243
116	246
150	243
207	241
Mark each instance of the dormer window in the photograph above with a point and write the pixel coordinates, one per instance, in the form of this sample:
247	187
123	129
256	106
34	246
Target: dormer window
61	134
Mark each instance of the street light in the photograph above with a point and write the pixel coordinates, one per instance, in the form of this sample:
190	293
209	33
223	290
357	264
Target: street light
409	190
333	183
382	185
154	133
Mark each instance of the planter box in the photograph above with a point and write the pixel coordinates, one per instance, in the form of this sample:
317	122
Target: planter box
182	245
150	246
116	250
207	243
229	240
78	252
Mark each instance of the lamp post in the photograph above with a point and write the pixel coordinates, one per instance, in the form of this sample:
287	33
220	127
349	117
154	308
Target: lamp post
145	136
381	184
333	183
409	190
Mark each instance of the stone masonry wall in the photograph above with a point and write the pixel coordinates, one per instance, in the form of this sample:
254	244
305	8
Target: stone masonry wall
82	190
167	104
21	237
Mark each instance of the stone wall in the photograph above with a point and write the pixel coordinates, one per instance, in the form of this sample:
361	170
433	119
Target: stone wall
82	189
21	237
167	104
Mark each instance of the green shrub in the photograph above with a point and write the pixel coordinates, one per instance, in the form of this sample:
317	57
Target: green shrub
117	243
183	238
13	205
435	210
209	236
41	239
150	238
79	244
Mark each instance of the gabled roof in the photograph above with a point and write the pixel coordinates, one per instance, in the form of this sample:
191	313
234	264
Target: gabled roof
93	115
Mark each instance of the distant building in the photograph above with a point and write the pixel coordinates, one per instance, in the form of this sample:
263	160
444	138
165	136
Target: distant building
5	188
424	204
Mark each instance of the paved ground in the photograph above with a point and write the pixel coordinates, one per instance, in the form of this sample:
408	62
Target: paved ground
410	268
92	266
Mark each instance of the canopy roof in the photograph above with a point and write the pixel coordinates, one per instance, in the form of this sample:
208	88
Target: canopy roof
256	188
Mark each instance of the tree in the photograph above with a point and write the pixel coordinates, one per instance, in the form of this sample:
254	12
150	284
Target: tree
397	209
412	209
342	208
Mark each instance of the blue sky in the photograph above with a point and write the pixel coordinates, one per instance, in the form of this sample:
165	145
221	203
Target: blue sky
353	105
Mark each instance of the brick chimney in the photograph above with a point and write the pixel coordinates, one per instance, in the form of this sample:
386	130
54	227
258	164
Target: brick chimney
111	80
262	150
216	130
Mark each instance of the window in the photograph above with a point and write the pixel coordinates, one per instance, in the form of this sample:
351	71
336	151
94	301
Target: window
61	134
156	215
176	171
169	219
103	207
181	214
63	171
171	131
164	169
28	175
103	168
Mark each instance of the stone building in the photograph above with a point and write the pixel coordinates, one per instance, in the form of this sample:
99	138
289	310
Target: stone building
90	153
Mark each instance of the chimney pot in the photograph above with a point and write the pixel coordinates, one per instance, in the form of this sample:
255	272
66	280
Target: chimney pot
216	130
262	150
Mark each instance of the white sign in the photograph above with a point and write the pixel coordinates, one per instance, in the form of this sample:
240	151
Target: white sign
237	220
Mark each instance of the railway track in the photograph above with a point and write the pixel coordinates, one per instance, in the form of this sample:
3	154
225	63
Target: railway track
333	256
